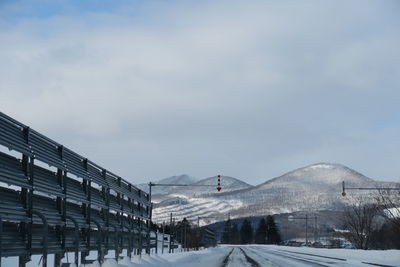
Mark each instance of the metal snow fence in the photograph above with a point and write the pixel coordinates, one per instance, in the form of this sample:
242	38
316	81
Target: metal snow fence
73	205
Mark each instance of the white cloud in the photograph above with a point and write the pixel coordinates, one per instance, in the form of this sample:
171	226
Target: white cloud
246	89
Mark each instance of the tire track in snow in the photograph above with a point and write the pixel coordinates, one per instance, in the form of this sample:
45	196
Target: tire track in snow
225	261
250	260
266	260
230	259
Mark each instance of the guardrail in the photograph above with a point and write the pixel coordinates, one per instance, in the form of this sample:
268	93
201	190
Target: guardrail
53	201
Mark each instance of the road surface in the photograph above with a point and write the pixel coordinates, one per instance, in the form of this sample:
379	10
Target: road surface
259	256
268	255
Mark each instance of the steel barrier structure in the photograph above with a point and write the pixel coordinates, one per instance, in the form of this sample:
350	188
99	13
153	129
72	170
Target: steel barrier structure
53	201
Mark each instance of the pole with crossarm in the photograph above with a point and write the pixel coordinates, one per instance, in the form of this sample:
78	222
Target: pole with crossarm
344	188
151	184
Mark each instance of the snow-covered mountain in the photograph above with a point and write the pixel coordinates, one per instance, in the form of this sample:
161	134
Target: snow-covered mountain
315	187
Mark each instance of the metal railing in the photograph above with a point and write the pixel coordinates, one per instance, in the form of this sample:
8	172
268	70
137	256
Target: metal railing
73	205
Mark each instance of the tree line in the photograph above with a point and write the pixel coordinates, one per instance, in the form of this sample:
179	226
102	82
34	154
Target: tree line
267	232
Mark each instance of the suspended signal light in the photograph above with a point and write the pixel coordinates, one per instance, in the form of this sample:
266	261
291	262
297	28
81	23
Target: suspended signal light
219	183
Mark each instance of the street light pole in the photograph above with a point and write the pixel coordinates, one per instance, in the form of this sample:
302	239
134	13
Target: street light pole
170	235
151	184
306	230
315	229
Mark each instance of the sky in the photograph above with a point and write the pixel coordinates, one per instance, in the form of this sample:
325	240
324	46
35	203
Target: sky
248	89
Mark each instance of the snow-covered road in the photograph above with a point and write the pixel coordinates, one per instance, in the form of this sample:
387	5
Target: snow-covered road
261	256
251	256
265	255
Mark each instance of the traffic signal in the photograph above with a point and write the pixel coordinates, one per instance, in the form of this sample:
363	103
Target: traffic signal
219	183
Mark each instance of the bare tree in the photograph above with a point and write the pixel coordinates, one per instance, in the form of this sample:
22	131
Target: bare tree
389	203
361	221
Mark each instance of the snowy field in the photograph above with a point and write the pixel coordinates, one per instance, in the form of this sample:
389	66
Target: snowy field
259	256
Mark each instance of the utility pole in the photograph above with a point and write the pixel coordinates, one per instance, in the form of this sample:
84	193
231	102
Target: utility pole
315	229
185	240
170	235
151	184
306	230
163	233
292	218
175	234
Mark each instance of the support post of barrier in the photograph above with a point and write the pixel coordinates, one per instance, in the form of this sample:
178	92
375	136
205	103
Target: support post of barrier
157	242
100	256
106	192
45	235
163	234
30	203
140	237
116	240
84	254
22	260
131	222
1	237
57	259
148	237
76	258
129	250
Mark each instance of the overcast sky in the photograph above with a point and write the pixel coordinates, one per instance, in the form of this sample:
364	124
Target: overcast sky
249	89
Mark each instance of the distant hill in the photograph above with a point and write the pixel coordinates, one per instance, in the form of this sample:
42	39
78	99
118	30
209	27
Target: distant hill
228	184
312	188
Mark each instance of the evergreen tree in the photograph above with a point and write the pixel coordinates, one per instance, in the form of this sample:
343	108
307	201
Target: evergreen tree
227	234
235	234
273	235
246	232
261	233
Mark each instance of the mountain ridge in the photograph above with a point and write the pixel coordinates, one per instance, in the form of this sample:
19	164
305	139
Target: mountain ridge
313	187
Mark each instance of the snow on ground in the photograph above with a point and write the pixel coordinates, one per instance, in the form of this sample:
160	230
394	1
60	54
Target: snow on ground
202	258
264	255
353	256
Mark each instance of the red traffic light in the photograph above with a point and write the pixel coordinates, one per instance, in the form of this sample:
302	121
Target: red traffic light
219	183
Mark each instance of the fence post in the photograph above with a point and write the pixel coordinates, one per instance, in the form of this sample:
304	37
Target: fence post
163	234
1	237
45	235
